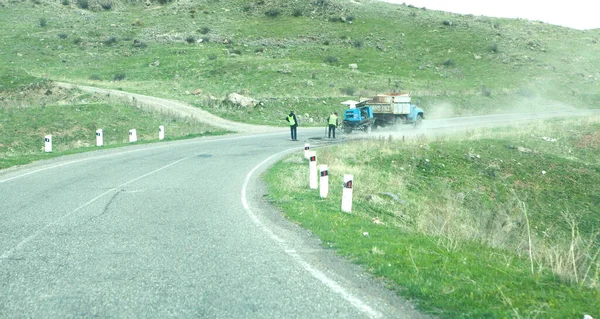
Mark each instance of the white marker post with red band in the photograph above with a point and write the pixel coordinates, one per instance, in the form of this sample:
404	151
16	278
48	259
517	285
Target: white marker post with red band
347	194
48	143
161	132
99	137
132	136
306	150
324	185
314	183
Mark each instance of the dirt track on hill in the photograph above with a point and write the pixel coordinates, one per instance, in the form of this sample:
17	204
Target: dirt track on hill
173	107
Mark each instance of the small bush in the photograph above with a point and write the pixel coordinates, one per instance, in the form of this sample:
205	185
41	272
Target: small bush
349	91
449	63
190	39
83	4
448	23
138	23
326	42
164	1
95	77
205	39
297	12
66	2
357	44
106	5
494	47
485	91
236	51
335	19
273	12
260	50
204	30
110	41
247	8
63	35
331	59
77	41
139	44
43	22
119	77
212	56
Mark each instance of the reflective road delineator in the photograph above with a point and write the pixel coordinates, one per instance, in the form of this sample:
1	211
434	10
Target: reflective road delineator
314	183
306	150
48	143
161	132
132	135
347	193
324	185
99	137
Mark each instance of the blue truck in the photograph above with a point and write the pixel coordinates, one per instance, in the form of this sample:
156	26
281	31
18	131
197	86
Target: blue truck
392	109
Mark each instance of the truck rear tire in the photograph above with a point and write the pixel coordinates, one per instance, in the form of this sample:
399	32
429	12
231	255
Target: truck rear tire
418	121
347	129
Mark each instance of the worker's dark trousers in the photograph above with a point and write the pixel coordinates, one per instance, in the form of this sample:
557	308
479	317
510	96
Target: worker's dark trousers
331	130
294	132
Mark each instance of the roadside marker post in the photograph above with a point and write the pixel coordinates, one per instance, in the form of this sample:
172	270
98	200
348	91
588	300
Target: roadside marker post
161	132
132	136
324	185
314	183
347	193
48	143
99	138
306	150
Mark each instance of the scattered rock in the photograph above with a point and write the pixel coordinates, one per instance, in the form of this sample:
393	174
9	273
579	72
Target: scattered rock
353	66
524	150
376	220
155	63
197	92
241	101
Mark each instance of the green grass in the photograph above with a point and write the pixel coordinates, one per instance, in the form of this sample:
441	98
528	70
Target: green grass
72	119
492	224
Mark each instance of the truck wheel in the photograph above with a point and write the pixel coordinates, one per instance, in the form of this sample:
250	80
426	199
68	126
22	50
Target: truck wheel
419	120
347	129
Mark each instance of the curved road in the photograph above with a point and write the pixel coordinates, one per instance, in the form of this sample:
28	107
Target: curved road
176	229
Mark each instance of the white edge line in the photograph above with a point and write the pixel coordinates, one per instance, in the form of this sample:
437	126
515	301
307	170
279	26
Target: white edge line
316	273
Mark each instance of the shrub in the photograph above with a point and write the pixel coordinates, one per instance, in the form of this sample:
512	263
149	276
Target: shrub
326	42
331	59
119	77
350	18
357	44
485	91
448	23
494	47
43	22
247	8
259	50
106	5
110	41
95	77
138	22
190	39
83	4
139	44
63	35
205	39
164	1
273	12
297	12
204	30
77	41
349	91
212	56
66	2
449	63
335	19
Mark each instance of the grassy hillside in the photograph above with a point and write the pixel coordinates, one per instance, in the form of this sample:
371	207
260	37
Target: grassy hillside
498	223
296	54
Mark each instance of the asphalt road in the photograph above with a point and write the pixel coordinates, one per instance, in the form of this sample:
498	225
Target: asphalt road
174	229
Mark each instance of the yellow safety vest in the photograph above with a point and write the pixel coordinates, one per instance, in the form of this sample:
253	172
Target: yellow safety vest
291	120
332	119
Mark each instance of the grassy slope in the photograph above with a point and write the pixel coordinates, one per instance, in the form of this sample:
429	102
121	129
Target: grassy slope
457	238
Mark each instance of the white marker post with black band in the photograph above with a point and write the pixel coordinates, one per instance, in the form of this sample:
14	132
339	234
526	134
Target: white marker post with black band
132	136
161	132
306	150
48	143
312	170
324	185
99	137
347	194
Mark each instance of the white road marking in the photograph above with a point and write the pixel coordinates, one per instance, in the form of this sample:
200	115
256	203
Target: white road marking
316	273
8	253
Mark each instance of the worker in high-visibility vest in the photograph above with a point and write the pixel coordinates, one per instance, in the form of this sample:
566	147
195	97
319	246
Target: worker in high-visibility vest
333	123
293	121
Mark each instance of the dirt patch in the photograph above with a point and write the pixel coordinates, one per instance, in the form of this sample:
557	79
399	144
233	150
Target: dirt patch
590	141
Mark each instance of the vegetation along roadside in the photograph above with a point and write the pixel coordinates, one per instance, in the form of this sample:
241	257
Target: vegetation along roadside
493	223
